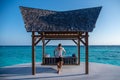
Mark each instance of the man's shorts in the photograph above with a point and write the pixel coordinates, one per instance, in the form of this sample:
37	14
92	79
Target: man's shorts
59	59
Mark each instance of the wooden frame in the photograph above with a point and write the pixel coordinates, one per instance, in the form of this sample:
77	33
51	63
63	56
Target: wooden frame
77	37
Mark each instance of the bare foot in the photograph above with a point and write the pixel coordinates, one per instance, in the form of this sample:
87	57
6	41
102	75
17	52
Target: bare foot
58	72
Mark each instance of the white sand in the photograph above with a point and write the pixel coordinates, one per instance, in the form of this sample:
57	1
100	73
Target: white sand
96	72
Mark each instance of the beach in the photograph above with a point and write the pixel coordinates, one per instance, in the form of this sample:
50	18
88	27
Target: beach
97	71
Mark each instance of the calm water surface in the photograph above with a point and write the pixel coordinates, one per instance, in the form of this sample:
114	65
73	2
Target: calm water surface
11	55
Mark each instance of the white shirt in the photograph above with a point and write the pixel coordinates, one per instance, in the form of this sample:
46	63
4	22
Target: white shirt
58	51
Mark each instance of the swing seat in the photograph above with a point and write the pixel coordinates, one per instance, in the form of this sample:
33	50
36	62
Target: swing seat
66	60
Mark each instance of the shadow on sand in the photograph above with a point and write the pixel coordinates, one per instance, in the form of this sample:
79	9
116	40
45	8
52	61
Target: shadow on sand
26	71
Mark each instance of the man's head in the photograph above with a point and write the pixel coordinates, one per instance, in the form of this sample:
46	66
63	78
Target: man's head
59	45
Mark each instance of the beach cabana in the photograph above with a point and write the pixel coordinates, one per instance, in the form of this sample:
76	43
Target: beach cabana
47	25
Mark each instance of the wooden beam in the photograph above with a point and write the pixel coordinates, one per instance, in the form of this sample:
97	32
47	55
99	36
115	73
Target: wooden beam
61	36
33	54
47	42
39	39
74	41
63	32
87	55
82	41
38	35
58	36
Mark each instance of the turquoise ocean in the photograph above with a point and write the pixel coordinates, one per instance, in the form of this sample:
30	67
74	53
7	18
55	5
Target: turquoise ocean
12	55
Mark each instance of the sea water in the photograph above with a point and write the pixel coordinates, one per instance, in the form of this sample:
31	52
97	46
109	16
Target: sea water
12	55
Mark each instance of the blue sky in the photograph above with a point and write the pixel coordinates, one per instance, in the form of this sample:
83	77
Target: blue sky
12	30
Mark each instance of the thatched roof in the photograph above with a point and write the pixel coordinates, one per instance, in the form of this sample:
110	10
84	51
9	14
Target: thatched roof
40	20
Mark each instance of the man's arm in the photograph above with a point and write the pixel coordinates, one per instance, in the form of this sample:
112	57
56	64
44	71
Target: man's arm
64	51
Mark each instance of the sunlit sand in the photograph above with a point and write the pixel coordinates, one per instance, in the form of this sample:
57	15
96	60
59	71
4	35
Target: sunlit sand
97	71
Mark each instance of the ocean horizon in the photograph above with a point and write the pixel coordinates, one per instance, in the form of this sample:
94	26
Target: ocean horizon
20	54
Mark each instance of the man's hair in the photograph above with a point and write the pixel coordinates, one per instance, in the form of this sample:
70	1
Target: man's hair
59	45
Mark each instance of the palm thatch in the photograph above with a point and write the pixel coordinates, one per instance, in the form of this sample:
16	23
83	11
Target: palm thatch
40	20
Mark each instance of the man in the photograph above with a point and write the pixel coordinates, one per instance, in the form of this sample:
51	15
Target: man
59	57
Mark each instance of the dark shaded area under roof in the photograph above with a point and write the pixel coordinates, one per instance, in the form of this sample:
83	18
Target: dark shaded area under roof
40	20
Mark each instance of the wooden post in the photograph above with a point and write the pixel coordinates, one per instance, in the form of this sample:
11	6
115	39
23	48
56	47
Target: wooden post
78	49
43	48
87	55
33	54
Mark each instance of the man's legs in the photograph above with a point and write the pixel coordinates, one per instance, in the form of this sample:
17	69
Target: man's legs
59	66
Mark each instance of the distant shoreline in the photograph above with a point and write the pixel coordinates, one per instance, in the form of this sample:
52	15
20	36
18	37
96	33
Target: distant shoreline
53	45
